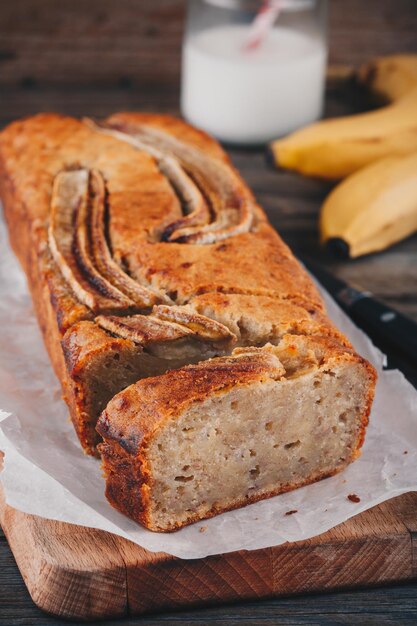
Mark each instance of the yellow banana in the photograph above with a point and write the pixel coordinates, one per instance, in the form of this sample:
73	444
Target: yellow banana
391	77
335	148
372	208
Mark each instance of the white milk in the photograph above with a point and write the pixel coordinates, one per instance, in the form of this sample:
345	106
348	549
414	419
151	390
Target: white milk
252	97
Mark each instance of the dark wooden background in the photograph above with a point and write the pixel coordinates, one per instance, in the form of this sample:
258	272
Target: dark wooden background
123	42
92	57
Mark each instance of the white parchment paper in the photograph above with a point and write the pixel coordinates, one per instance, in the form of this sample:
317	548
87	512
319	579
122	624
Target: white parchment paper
46	473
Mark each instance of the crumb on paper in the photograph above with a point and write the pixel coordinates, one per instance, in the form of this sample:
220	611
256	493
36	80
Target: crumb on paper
291	512
353	497
203	529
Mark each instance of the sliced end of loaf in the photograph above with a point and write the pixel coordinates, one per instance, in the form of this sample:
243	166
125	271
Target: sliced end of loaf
250	426
101	366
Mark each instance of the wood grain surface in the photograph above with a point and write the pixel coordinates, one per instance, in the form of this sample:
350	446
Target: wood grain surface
130	42
80	573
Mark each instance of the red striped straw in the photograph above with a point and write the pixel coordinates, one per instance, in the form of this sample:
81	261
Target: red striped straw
262	24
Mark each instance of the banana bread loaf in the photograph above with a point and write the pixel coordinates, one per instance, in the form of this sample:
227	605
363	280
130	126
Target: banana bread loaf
146	252
215	436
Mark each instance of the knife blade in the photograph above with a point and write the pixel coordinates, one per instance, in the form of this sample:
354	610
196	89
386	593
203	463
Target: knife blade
390	330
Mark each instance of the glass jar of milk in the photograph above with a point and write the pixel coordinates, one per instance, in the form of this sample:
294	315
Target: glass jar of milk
249	94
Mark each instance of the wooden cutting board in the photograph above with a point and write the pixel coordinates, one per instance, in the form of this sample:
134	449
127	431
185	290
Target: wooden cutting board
81	573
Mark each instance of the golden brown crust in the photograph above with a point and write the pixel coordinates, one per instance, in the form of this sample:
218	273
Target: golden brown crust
121	233
259	319
128	424
166	232
174	126
131	422
36	150
224	266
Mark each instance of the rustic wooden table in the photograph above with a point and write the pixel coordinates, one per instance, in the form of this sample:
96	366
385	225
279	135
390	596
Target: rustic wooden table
292	203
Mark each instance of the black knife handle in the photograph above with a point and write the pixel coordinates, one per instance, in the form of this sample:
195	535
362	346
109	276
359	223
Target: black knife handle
386	325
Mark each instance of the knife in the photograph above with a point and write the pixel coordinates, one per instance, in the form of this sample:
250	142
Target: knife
390	330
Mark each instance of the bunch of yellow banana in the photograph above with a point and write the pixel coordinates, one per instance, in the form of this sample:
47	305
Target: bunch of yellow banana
390	77
377	204
373	208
